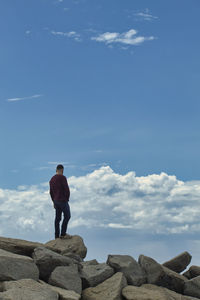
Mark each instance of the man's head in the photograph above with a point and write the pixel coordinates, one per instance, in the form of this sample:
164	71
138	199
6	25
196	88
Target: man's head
59	169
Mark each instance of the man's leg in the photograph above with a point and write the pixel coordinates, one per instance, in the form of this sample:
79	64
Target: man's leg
58	215
67	216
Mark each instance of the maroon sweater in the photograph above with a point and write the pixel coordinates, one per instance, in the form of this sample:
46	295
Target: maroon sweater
59	189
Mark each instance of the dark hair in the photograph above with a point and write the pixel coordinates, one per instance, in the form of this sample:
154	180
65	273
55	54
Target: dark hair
59	167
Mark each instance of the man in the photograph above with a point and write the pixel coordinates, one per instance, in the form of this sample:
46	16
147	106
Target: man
60	193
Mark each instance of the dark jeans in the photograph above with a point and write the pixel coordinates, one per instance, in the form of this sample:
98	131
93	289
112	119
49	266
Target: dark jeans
61	207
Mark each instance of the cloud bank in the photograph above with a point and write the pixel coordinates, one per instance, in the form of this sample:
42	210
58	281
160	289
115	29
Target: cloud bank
157	203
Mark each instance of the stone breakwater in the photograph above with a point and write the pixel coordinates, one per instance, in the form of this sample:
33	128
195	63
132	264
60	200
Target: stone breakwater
58	270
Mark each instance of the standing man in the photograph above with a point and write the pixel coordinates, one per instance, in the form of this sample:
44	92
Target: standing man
60	193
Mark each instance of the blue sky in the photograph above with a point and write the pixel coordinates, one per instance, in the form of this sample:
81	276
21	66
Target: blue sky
101	86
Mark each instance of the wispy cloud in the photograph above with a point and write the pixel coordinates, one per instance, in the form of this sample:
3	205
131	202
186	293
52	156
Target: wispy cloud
128	38
71	34
24	98
145	15
28	32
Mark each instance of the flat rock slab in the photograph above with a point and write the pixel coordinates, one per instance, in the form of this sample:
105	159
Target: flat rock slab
47	260
27	289
151	292
179	263
126	264
160	275
92	275
67	278
63	294
73	245
18	246
110	289
15	267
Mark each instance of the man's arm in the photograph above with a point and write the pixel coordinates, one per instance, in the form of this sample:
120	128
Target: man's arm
66	187
50	191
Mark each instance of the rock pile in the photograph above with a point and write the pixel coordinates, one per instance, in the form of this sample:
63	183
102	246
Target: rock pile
57	270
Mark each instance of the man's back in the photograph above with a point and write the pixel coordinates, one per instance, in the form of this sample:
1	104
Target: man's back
59	189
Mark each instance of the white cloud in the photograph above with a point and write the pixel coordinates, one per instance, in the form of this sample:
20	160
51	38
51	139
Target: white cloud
24	98
128	38
145	15
157	203
71	34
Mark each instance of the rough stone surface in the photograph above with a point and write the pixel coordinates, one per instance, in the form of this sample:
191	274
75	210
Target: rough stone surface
18	246
73	256
64	246
160	275
48	260
67	278
63	294
187	274
126	264
92	275
151	292
89	262
110	289
27	289
194	271
14	266
192	287
179	263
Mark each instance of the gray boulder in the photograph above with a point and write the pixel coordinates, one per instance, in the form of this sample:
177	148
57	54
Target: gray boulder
160	275
14	267
67	278
110	289
192	287
26	289
89	262
18	246
151	292
179	263
193	271
64	246
48	260
92	275
63	294
126	264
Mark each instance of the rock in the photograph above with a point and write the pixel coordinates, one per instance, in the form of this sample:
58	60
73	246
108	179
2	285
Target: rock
48	260
27	289
18	246
187	274
73	256
151	292
126	264
92	275
67	278
192	287
179	263
64	246
14	267
110	289
89	262
160	275
194	271
63	294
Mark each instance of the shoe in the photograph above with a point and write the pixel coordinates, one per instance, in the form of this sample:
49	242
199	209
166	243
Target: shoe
66	236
